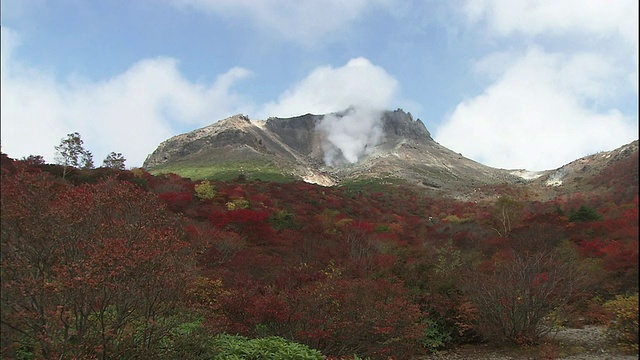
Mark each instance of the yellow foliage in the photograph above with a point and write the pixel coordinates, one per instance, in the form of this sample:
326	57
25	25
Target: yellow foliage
395	228
453	218
331	270
205	190
138	173
205	291
238	204
623	323
343	222
328	219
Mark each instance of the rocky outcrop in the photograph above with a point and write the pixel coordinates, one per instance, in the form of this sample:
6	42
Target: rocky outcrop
401	124
299	133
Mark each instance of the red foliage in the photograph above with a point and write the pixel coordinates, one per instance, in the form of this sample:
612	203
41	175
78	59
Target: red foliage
338	316
251	223
273	282
621	257
176	201
71	259
591	248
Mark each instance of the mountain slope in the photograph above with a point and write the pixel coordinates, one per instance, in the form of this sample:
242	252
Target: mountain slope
297	148
614	171
393	149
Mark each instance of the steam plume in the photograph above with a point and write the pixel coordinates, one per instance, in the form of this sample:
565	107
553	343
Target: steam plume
350	135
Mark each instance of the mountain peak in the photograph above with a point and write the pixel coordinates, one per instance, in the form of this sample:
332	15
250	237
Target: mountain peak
349	144
360	144
401	123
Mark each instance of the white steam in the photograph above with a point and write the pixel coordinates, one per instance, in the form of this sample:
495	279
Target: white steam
361	86
350	135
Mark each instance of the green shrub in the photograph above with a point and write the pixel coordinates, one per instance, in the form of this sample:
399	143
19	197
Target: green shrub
282	219
623	322
273	347
188	340
436	336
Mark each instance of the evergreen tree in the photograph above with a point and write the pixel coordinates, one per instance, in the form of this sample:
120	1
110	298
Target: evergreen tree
584	214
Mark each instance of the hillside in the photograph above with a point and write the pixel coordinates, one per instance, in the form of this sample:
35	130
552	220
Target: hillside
136	265
414	252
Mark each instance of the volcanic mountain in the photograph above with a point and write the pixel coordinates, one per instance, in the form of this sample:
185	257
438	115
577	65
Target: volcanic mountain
394	149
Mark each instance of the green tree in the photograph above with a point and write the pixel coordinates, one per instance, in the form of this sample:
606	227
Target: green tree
114	160
34	160
584	214
71	154
86	160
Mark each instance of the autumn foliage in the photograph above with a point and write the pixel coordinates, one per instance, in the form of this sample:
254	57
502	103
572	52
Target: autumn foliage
88	270
124	264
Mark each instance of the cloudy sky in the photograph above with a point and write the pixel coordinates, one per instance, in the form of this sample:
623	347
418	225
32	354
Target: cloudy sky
517	84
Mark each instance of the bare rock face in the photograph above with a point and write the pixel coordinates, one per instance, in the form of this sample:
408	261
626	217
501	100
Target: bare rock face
400	124
298	133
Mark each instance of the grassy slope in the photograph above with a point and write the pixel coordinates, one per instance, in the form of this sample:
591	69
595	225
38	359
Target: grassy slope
251	170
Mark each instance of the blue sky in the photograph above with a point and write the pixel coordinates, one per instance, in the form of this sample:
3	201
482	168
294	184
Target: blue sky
516	84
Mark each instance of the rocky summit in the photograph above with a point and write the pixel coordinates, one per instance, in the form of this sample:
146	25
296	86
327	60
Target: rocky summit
345	147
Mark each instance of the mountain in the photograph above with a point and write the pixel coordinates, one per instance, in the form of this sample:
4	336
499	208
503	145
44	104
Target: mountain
297	148
391	147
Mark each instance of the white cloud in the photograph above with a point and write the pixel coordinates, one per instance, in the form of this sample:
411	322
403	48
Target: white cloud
538	114
301	21
600	18
545	108
591	77
130	113
134	111
328	89
608	27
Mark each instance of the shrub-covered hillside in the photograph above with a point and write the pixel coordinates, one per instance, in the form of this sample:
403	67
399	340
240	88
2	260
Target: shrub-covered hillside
122	264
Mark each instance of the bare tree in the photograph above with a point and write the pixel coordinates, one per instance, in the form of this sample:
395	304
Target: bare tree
520	292
506	215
